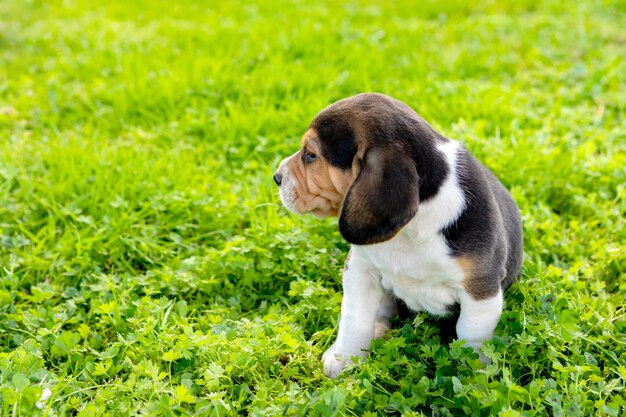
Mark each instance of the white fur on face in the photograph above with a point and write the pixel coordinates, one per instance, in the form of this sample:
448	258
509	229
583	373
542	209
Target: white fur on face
287	189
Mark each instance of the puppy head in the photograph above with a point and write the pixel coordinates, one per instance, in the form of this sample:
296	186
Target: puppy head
357	161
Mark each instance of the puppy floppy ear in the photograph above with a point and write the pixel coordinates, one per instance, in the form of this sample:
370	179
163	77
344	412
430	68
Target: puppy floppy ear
382	199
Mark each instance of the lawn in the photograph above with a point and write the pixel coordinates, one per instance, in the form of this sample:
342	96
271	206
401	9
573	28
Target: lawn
148	268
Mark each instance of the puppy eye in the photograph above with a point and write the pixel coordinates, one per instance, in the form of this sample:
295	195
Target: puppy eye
308	157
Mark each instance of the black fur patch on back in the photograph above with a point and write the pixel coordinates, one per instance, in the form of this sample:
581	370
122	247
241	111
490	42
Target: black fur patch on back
474	230
488	231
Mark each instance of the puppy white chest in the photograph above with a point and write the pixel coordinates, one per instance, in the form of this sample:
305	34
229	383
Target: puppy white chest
419	272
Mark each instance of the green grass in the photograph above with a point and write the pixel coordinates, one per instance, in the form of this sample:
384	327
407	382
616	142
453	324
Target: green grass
147	268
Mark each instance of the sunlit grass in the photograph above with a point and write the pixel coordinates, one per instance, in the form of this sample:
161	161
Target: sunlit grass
146	265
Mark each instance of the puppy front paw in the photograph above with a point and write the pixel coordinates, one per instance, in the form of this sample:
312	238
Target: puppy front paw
335	361
482	357
477	346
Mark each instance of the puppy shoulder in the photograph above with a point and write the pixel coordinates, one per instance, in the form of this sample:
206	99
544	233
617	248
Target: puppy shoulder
474	228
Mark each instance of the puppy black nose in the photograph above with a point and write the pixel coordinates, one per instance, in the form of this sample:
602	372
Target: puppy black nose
278	178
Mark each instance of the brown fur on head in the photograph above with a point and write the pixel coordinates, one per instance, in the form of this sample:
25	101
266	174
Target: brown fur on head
320	187
360	160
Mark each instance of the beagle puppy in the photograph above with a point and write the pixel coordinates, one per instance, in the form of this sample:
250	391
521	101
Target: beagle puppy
429	225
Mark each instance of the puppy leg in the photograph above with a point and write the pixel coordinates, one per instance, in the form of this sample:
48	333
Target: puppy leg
478	320
388	309
362	299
